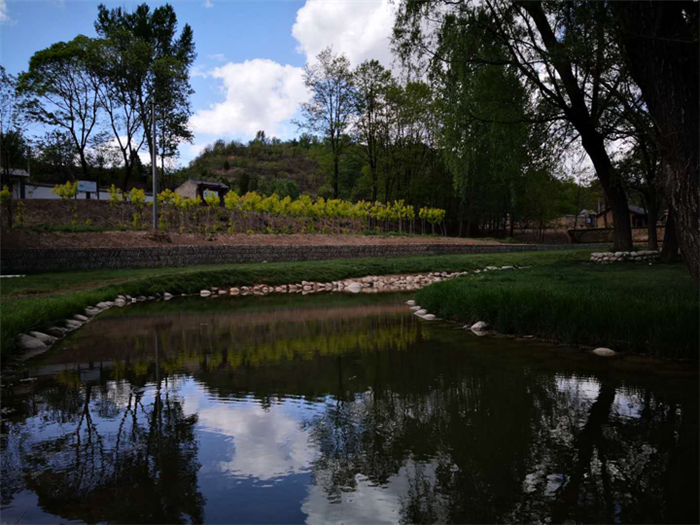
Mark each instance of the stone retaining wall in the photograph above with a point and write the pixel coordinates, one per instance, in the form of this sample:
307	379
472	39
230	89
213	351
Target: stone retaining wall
53	260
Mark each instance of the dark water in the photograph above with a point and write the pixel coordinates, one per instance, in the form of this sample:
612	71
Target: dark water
339	409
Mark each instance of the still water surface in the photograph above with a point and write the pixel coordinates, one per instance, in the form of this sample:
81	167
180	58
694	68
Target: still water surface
338	409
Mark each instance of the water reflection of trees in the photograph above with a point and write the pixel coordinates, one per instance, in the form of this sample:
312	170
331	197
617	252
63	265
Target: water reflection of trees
511	446
476	439
107	452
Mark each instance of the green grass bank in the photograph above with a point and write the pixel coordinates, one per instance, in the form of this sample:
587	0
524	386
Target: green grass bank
36	301
559	284
626	307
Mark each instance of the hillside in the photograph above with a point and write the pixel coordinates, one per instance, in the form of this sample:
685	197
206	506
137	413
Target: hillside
263	165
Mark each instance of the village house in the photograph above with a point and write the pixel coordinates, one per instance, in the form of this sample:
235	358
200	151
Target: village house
638	218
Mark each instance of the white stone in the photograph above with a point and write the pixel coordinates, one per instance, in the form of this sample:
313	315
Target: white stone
429	317
167	296
44	338
421	312
604	352
354	287
205	293
27	342
80	318
479	327
91	311
73	324
415	307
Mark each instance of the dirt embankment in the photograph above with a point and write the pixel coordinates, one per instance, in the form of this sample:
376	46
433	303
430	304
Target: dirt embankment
123	239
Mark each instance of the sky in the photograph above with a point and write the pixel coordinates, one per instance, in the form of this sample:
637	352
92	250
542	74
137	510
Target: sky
248	74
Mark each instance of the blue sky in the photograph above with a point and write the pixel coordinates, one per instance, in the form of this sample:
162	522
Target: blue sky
248	72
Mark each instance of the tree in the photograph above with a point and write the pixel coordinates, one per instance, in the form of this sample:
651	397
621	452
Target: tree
117	61
13	146
64	91
372	82
159	68
660	40
563	52
332	106
57	151
484	131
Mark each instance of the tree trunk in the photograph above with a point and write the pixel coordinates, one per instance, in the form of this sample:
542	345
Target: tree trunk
335	176
127	177
670	248
652	217
84	165
593	142
661	44
374	183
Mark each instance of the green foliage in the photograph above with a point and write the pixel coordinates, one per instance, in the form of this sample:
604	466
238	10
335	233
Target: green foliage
5	195
66	191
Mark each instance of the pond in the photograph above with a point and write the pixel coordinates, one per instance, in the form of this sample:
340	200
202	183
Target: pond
335	408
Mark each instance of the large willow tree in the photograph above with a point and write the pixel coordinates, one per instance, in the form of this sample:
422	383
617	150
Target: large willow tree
564	53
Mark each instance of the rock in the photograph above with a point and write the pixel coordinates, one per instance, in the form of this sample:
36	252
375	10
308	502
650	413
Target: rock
27	342
481	326
492	267
410	302
429	317
416	307
167	296
507	267
234	291
604	352
354	287
72	324
44	338
120	303
80	318
105	304
205	293
91	311
420	312
56	331
222	292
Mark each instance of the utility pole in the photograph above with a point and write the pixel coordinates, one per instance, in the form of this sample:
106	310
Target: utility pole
154	169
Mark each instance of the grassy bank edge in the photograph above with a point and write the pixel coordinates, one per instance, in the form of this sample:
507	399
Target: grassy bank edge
654	321
20	315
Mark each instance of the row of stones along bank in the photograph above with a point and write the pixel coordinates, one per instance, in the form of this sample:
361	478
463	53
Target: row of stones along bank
636	257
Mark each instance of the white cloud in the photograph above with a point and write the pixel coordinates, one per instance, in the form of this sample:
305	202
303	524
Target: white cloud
361	30
266	444
208	4
196	71
260	94
4	17
219	57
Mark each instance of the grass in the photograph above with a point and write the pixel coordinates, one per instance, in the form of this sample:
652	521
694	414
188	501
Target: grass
640	308
37	301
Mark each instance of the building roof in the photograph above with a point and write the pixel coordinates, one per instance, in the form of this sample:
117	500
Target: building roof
14	172
209	183
634	209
